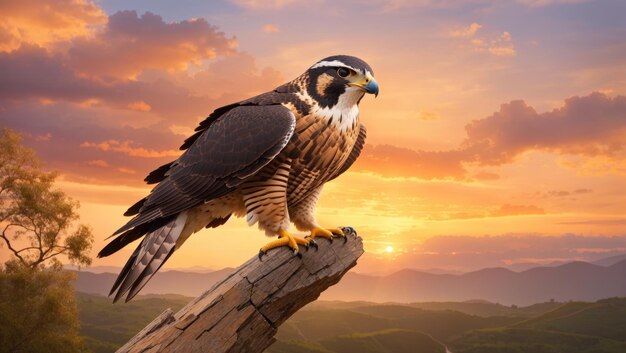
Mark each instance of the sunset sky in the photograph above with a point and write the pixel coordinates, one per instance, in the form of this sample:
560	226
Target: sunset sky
499	135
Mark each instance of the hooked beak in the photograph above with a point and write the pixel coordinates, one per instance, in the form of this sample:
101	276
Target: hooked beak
367	84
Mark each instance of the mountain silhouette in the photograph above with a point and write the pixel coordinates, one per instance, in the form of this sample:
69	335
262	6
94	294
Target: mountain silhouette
571	281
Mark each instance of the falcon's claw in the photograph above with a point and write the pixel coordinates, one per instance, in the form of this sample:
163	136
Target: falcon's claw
285	239
337	232
313	243
349	230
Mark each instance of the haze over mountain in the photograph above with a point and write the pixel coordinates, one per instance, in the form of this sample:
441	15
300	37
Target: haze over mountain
166	282
571	281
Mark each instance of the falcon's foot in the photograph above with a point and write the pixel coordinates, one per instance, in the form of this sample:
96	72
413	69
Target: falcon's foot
286	239
330	233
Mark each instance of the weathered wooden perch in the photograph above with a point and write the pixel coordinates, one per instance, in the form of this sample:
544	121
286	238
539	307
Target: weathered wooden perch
243	312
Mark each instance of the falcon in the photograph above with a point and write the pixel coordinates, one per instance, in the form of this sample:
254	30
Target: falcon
265	158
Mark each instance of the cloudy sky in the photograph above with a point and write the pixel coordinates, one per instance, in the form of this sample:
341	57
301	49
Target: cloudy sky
499	135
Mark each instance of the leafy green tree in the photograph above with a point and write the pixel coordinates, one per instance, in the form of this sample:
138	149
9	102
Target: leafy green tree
37	219
38	310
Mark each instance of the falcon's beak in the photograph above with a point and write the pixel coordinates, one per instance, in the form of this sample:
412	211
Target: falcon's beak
367	83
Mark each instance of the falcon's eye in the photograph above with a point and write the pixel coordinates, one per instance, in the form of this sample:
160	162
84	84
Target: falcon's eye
343	72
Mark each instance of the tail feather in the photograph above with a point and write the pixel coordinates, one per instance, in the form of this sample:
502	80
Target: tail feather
149	272
147	259
125	270
135	208
133	234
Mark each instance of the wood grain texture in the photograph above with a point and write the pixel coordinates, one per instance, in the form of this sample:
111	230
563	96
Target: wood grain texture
242	313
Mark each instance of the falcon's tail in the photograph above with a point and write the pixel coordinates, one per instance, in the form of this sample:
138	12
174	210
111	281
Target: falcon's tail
155	248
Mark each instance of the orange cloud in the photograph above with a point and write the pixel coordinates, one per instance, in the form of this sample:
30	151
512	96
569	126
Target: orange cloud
139	106
428	115
44	137
484	176
516	210
561	193
500	46
98	163
502	51
44	23
264	4
466	32
271	28
506	210
126	171
126	148
130	44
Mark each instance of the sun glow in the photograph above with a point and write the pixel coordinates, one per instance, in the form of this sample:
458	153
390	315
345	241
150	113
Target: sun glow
389	249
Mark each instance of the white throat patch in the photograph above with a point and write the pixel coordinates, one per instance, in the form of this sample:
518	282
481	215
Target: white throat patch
345	114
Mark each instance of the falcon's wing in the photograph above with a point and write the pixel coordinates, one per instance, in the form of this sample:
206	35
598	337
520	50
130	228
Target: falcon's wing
354	154
235	146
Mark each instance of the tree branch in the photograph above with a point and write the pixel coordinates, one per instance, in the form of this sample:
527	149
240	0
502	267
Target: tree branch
8	242
243	312
27	248
51	256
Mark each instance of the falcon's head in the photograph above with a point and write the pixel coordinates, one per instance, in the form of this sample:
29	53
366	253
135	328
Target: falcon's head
340	80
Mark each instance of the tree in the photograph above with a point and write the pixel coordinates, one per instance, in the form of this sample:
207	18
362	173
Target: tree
38	310
36	219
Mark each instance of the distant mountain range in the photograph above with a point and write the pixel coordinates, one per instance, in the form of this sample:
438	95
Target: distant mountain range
165	282
609	261
571	281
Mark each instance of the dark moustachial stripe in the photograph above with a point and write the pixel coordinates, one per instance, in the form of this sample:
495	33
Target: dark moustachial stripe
332	91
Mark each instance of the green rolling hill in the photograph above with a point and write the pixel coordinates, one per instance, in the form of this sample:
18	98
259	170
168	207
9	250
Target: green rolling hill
387	341
576	327
108	326
337	327
313	325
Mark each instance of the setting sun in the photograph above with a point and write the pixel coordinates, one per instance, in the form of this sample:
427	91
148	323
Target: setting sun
389	249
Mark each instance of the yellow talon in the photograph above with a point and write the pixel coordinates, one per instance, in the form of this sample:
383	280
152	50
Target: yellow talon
284	238
337	231
321	232
327	233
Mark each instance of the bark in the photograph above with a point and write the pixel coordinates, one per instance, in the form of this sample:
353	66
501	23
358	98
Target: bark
243	312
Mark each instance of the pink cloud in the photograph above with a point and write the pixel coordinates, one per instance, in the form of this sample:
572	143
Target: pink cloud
127	147
588	126
591	126
131	43
271	28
